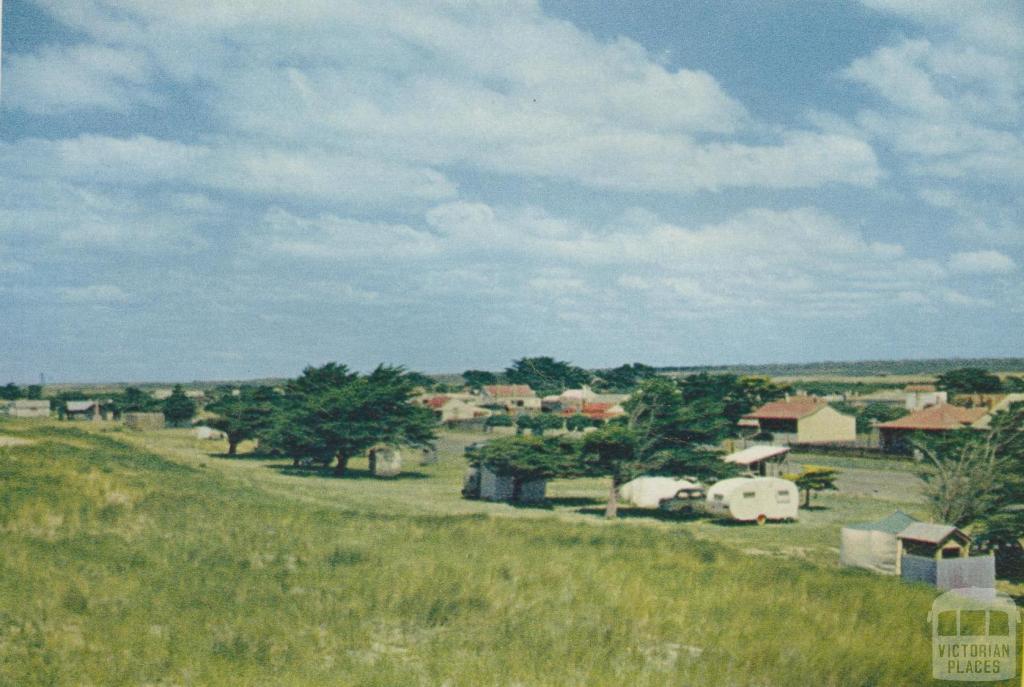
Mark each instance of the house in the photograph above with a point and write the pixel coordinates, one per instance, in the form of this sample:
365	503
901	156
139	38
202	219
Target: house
596	411
766	461
576	399
1002	404
83	410
894	436
804	420
921	396
28	408
450	409
511	397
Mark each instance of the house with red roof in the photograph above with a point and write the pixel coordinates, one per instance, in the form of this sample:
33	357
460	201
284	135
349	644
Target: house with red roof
803	420
894	436
511	397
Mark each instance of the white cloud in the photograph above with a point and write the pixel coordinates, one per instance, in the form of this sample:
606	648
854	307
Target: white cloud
392	97
982	262
59	79
331	237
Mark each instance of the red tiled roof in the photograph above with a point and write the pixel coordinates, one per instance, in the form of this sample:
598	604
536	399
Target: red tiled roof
937	418
793	409
499	390
919	387
437	402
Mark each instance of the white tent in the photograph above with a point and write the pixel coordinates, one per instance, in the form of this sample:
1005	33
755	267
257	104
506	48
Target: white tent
647	492
873	545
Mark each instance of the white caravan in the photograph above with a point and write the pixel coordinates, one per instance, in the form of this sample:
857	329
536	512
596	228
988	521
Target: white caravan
649	492
751	499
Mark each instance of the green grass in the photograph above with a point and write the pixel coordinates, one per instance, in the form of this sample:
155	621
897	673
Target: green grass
127	565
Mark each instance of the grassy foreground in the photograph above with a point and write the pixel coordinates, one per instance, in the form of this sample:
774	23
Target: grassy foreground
123	567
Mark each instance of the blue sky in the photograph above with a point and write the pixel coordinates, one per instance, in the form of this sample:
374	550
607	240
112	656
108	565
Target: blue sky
197	190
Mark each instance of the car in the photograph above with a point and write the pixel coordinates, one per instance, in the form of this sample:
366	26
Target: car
686	500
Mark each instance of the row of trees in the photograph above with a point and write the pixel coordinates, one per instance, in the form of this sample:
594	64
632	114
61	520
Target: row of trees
327	414
546	376
13	392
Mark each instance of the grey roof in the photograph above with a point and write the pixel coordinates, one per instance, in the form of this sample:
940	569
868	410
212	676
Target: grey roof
78	406
930	533
893	524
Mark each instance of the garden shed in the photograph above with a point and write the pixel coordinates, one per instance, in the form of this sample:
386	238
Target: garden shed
874	545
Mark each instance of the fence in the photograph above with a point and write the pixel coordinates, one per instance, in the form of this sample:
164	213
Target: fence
950	573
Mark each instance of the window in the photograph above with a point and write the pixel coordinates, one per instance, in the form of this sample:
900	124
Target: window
749	494
946	627
719	497
998	624
972	623
782	496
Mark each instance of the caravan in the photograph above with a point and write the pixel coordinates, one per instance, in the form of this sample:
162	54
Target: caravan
750	499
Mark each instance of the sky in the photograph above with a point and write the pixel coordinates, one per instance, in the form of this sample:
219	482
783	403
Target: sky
201	190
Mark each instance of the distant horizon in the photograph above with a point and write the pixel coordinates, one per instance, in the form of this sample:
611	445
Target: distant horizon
998	364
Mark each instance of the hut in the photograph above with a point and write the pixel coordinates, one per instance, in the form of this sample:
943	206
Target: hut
28	408
483	483
83	410
874	545
385	461
144	421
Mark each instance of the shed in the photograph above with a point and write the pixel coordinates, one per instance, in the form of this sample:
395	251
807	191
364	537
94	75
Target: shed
483	483
385	461
934	541
766	461
873	545
28	408
83	410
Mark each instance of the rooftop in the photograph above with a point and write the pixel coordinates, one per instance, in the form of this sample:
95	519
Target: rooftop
793	408
943	416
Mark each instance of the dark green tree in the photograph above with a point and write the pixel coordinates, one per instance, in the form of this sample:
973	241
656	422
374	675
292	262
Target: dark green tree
178	408
134	400
10	392
580	422
653	438
34	392
499	420
623	378
969	380
528	457
332	413
477	379
243	416
546	376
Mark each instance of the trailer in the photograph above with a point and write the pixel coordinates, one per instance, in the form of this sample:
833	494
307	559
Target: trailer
754	499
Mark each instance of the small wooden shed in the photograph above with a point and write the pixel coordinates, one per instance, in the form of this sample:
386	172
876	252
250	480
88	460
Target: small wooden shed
935	541
385	461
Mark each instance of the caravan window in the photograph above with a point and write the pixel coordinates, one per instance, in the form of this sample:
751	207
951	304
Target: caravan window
783	496
749	494
719	497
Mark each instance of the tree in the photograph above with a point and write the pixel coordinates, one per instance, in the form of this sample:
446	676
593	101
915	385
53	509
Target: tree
623	378
178	408
134	400
546	376
547	421
10	392
243	416
477	379
34	392
580	422
974	477
331	413
814	479
869	415
653	438
528	458
421	380
734	396
499	420
969	380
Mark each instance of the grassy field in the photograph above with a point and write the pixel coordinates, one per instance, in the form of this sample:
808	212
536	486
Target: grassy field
132	559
